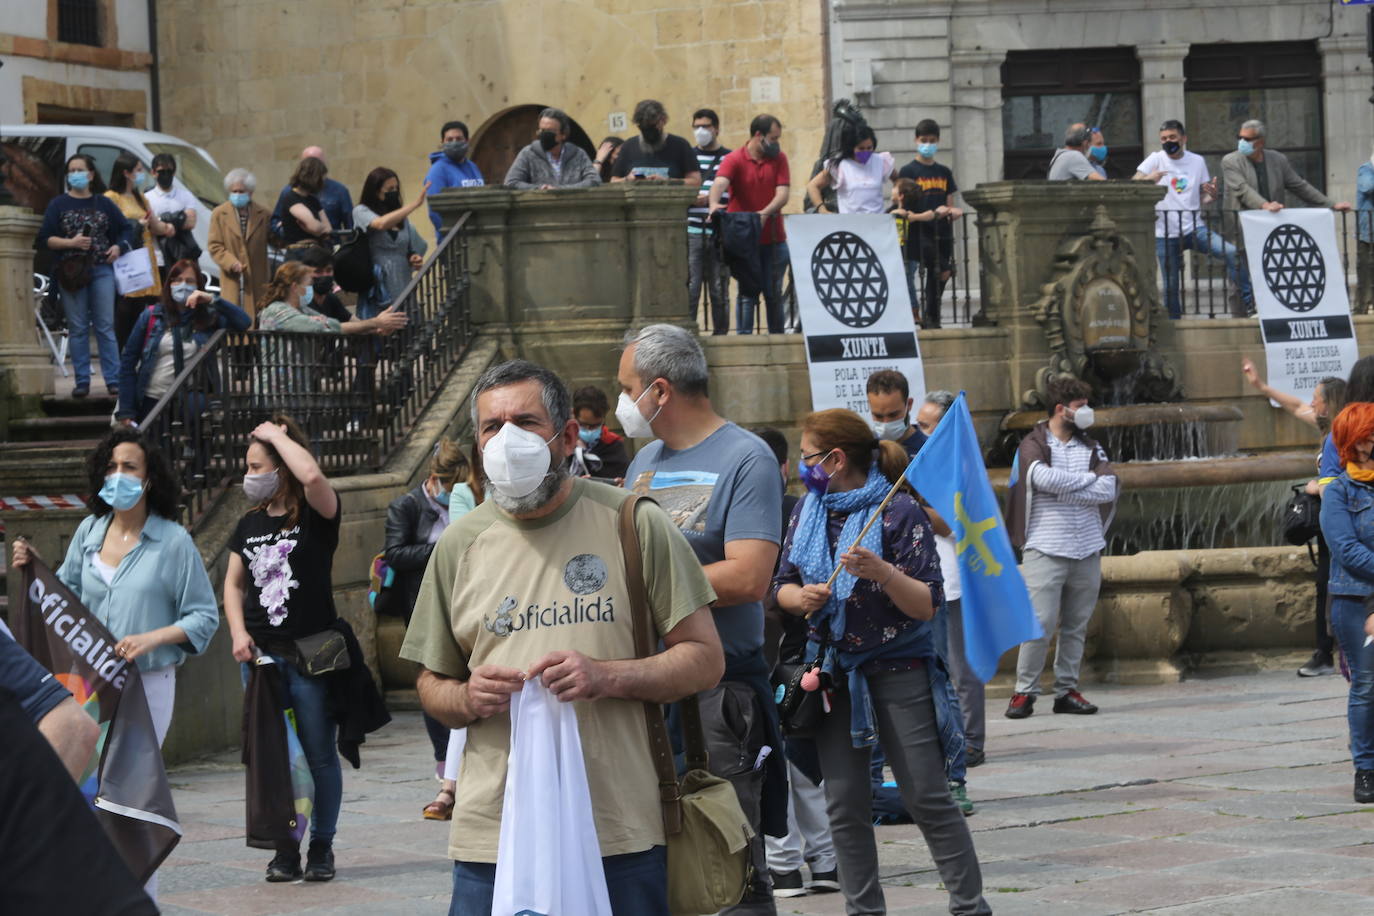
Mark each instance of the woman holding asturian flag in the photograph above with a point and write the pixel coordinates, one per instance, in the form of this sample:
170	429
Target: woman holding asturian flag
137	570
878	667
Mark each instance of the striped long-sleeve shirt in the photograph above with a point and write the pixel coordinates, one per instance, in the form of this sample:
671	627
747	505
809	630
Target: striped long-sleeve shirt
1065	520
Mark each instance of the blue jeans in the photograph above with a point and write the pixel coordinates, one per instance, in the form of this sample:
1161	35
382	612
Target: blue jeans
774	258
309	696
637	883
1169	252
87	309
1347	623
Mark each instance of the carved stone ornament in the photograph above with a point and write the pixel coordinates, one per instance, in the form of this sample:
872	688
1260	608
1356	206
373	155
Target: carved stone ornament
1098	323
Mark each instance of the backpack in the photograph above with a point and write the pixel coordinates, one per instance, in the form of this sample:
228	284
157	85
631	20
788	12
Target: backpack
353	261
380	580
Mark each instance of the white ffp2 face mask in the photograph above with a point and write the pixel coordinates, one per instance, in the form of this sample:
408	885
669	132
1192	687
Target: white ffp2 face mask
516	461
635	424
891	430
1083	417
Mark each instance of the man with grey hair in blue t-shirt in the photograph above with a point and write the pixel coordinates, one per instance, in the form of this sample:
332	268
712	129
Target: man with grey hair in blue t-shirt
719	483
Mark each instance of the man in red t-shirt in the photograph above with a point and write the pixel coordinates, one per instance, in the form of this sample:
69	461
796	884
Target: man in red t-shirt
757	177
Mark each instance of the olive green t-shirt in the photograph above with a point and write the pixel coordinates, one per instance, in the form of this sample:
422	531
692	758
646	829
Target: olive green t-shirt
503	591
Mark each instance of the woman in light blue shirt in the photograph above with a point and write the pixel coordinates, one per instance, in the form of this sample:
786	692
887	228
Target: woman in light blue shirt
137	570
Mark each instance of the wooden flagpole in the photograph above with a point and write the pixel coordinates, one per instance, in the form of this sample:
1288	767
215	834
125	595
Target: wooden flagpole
876	515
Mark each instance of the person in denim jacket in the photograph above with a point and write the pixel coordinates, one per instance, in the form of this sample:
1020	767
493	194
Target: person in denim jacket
1348	524
152	360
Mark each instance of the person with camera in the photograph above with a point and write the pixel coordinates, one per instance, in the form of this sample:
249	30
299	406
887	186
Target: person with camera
176	208
869	627
168	334
86	233
128	180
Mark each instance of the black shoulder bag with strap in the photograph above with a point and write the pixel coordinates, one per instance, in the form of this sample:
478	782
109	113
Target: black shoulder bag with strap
707	831
1301	519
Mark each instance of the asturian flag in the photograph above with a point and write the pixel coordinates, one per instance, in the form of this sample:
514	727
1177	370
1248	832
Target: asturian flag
948	471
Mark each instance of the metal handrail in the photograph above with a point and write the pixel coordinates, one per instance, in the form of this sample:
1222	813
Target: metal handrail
356	396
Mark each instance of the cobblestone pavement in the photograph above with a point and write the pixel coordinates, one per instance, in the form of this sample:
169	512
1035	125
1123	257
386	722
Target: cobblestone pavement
1217	796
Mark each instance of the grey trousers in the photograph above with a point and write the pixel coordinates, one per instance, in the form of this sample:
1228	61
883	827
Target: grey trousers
1064	594
906	728
705	268
967	685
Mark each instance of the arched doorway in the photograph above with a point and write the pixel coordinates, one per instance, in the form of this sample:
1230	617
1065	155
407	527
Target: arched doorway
496	143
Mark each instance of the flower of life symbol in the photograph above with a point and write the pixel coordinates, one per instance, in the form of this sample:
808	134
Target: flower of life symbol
849	279
1294	268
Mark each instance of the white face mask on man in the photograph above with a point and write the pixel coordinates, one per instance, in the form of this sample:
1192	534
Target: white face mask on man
891	430
635	424
1082	417
516	461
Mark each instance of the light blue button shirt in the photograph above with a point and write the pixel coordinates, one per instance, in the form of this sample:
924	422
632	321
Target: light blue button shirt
161	582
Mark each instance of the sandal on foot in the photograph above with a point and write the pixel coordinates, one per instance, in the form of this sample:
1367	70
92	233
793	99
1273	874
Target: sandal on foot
439	809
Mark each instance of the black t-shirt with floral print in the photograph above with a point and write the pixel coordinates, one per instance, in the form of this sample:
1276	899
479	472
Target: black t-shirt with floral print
289	591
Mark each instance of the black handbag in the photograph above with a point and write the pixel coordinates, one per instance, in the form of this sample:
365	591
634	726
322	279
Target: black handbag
322	652
353	261
1301	517
800	711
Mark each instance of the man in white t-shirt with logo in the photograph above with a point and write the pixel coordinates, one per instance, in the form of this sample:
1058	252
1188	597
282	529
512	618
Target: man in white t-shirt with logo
1178	222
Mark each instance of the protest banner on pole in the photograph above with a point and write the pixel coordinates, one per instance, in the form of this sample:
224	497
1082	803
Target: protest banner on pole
854	306
1300	290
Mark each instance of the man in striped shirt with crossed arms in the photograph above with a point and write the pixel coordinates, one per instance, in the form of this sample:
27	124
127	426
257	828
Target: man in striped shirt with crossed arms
1063	497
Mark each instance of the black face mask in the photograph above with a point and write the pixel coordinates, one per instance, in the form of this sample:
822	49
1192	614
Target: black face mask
652	134
391	200
548	139
456	150
323	286
1172	147
771	148
164	179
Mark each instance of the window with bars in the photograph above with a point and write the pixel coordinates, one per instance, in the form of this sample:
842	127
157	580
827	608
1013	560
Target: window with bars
1279	83
1043	92
78	22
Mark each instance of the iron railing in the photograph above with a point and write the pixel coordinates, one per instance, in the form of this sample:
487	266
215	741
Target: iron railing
958	301
1200	253
355	395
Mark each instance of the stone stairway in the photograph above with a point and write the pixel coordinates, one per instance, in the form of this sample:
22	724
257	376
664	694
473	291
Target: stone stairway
46	455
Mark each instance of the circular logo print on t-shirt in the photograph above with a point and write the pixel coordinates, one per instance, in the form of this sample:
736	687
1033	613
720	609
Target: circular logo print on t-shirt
585	573
1294	269
849	279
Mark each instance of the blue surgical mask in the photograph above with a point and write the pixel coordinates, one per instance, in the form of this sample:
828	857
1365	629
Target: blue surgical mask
122	491
441	495
927	150
308	296
239	199
143	180
589	437
79	181
1245	147
1098	152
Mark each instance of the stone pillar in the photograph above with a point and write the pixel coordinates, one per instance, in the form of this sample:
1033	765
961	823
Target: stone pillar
26	372
1021	226
977	78
1161	89
560	275
1346	88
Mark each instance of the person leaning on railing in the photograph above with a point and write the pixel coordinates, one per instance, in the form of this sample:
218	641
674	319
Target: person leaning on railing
292	291
168	334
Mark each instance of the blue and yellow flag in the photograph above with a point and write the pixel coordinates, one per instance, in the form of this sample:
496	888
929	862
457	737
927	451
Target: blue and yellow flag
948	471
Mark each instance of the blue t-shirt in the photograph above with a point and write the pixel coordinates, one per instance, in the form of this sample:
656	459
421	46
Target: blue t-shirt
724	488
1329	464
32	685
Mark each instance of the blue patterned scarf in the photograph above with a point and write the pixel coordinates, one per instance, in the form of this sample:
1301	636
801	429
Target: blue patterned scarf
811	550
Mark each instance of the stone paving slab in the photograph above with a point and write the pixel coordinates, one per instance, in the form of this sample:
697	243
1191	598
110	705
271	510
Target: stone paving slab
1219	795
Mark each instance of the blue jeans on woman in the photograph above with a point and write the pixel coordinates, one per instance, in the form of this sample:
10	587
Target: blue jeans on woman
1169	252
1347	623
636	881
92	308
317	730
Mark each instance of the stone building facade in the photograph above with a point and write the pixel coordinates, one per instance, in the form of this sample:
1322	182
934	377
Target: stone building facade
1005	78
255	83
76	61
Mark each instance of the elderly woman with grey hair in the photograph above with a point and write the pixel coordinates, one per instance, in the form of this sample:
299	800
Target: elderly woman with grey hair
550	161
238	242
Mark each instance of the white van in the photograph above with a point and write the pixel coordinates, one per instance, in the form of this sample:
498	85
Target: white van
38	152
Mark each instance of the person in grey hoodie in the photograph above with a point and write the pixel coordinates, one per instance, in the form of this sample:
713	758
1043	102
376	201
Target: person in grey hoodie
550	161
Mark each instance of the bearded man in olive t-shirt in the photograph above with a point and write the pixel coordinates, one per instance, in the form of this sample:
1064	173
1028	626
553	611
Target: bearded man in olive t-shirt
532	584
